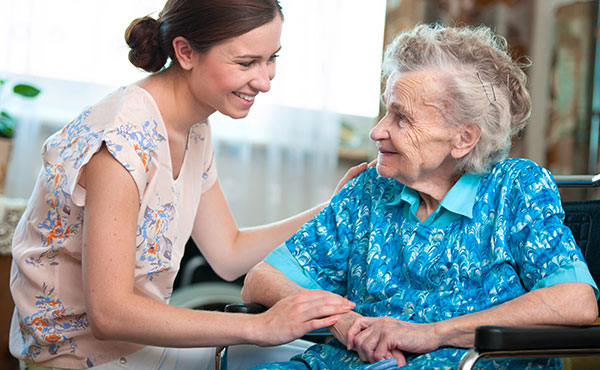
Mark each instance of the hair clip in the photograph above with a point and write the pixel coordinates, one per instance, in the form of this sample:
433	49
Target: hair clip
485	90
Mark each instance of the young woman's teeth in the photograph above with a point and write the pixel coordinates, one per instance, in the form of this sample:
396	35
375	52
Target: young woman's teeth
245	97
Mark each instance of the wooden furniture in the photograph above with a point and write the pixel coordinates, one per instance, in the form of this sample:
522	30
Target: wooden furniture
10	213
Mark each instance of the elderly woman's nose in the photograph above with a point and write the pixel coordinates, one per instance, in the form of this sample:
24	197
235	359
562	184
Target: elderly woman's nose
379	132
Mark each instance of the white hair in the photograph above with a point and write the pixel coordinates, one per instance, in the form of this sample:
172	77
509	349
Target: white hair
482	84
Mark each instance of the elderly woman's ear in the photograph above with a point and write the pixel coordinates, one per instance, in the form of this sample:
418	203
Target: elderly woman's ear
466	138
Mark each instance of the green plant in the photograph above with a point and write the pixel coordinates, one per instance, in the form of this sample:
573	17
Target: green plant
7	121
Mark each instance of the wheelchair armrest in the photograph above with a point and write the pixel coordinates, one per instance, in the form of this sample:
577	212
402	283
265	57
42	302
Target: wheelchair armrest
251	308
502	342
495	338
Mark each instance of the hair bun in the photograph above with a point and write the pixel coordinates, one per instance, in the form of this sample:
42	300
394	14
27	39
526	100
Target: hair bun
142	36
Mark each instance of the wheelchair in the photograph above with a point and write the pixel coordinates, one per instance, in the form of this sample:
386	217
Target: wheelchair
583	218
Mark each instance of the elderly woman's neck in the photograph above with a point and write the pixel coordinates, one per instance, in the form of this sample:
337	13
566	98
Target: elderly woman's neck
432	193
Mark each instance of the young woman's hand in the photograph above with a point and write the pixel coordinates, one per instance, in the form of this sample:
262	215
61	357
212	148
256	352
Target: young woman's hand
298	314
352	173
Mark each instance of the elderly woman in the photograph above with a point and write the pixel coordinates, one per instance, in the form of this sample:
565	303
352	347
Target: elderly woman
445	234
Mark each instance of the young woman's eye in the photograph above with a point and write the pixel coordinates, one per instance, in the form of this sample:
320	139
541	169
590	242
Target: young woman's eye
273	57
246	64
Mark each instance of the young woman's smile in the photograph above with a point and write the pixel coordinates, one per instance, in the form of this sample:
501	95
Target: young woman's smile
231	74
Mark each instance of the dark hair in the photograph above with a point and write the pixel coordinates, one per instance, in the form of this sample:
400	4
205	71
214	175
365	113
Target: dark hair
203	23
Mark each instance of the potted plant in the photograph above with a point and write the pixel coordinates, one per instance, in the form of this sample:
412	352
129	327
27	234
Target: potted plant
8	123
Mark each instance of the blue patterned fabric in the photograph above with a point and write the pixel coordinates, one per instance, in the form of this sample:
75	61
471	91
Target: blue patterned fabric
362	247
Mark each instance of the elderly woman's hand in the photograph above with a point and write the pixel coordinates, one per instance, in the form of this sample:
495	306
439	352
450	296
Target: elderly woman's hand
378	338
342	326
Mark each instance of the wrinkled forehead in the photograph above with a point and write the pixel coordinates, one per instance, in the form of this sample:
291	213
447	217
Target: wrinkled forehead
412	87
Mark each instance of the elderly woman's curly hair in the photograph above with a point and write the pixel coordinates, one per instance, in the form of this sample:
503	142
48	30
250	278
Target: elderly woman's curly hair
482	84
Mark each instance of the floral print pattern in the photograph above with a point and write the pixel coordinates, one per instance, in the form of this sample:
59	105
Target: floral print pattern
46	327
47	249
362	247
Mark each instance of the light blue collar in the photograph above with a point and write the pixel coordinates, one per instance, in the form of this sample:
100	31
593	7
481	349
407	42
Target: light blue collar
457	202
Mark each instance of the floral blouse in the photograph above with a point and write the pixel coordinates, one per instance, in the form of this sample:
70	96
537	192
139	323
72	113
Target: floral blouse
364	247
50	325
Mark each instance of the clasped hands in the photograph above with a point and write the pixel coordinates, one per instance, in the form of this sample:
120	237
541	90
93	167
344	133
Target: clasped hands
378	338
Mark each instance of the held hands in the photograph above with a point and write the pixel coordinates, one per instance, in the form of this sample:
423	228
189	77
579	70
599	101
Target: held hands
378	338
344	322
299	313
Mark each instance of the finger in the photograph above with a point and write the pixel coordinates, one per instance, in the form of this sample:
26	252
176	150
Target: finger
373	163
382	352
310	311
366	341
356	327
319	323
399	356
350	174
360	167
319	298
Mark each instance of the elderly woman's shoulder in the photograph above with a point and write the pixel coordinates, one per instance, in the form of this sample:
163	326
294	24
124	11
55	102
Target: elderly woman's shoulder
516	165
513	171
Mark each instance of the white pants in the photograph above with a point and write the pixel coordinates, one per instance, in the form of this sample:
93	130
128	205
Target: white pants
240	357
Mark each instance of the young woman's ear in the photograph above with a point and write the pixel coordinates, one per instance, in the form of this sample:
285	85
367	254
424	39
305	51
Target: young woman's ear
183	52
465	140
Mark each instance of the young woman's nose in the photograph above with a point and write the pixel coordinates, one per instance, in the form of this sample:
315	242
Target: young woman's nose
262	78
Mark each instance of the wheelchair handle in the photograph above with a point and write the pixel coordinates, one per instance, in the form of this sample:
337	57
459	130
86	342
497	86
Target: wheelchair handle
577	181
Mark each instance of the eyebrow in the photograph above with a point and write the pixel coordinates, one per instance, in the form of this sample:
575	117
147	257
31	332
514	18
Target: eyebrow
257	56
402	109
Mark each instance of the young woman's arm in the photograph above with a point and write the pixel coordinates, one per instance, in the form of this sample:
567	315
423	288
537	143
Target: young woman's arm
116	312
231	251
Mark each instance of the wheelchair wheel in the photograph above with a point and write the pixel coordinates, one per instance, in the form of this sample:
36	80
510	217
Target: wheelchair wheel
211	296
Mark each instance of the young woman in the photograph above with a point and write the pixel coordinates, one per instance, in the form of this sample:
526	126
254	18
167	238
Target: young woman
123	187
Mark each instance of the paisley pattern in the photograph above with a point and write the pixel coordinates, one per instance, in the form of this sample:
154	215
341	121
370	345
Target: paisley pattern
361	247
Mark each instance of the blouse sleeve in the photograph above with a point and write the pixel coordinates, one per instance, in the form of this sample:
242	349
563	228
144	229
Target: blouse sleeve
79	143
323	245
542	246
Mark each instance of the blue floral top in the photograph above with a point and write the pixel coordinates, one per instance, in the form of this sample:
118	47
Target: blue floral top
366	246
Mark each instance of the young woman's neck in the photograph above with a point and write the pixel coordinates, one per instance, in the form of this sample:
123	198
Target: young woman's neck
177	104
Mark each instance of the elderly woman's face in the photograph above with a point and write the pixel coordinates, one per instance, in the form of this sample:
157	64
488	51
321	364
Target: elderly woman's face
413	138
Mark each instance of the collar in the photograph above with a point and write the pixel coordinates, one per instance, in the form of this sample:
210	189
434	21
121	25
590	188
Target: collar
460	199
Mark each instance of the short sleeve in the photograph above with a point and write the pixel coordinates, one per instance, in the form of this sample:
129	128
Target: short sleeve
282	260
576	272
323	246
78	142
539	241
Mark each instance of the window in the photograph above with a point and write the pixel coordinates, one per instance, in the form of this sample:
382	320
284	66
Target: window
330	59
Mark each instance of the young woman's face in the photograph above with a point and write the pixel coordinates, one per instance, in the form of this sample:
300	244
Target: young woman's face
231	74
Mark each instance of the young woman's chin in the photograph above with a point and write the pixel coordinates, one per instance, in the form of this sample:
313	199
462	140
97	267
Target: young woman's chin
236	114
